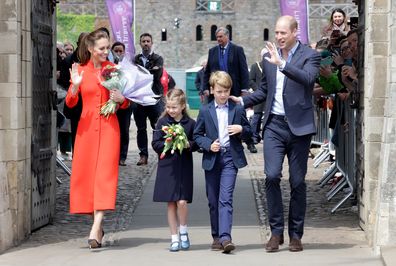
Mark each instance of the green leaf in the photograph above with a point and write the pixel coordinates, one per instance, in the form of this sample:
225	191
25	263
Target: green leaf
69	26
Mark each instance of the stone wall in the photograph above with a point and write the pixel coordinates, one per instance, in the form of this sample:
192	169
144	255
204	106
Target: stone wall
15	122
381	120
181	50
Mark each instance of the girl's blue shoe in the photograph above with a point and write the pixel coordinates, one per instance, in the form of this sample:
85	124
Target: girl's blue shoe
184	244
175	246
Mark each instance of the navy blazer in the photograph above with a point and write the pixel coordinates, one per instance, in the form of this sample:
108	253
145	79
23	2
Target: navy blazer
300	75
237	67
206	131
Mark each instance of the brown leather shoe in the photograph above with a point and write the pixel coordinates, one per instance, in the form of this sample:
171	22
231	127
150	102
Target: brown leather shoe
142	161
295	245
228	246
274	242
216	245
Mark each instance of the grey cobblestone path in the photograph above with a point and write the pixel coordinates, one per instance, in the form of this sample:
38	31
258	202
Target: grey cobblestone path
139	235
131	182
318	208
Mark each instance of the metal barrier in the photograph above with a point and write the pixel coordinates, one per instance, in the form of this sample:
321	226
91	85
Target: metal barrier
345	156
323	133
64	167
322	123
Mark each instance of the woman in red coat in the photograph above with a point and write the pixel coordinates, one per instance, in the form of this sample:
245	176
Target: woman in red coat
93	182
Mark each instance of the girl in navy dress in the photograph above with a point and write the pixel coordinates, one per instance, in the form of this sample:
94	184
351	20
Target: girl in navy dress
174	181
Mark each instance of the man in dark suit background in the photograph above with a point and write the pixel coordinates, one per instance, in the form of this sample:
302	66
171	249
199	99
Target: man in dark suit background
255	77
199	82
287	85
230	58
154	63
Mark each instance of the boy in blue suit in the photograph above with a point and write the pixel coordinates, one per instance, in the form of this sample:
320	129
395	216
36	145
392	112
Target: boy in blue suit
221	126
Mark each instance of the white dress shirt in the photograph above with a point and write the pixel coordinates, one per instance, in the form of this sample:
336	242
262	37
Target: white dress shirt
277	105
222	120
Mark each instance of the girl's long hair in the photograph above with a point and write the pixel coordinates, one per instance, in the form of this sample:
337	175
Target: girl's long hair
329	26
179	96
89	41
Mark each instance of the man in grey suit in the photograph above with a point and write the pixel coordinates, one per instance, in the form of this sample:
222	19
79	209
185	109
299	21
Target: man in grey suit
289	71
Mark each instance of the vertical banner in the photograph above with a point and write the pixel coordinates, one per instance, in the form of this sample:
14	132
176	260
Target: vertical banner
299	10
121	19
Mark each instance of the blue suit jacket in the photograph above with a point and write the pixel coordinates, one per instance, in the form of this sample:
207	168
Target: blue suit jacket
300	76
206	132
236	64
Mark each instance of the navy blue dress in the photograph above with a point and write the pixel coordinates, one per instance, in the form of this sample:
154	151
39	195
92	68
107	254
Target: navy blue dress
174	179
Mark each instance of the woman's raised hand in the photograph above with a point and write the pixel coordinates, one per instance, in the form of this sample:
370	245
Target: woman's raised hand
75	77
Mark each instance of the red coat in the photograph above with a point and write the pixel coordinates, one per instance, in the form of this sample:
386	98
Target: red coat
93	183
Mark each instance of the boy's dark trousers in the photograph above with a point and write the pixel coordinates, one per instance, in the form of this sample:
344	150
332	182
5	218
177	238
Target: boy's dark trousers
220	184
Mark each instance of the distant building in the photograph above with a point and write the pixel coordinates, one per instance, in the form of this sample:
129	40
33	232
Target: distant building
186	41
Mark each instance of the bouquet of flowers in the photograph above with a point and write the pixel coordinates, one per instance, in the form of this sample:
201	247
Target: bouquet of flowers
133	81
175	139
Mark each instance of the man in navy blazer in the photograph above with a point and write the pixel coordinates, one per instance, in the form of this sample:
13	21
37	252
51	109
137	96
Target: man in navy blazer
287	86
228	57
221	125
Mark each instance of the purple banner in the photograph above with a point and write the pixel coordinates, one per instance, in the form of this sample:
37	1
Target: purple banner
299	10
121	19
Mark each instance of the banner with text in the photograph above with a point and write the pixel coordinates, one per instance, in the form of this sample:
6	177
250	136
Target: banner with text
299	10
121	19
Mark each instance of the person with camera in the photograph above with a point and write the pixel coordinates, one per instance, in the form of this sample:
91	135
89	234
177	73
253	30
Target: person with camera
337	26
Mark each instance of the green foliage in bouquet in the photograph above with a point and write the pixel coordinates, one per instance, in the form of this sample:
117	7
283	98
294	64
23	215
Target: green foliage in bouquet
112	80
175	139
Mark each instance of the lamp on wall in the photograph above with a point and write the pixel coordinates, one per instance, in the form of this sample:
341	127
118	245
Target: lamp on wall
176	26
176	23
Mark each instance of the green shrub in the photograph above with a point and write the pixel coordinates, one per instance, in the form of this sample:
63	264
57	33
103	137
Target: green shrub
69	26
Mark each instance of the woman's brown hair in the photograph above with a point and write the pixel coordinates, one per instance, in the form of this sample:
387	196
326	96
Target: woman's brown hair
89	41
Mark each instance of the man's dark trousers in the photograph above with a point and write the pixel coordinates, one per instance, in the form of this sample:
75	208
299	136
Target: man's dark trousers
220	184
278	142
256	125
124	120
140	114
